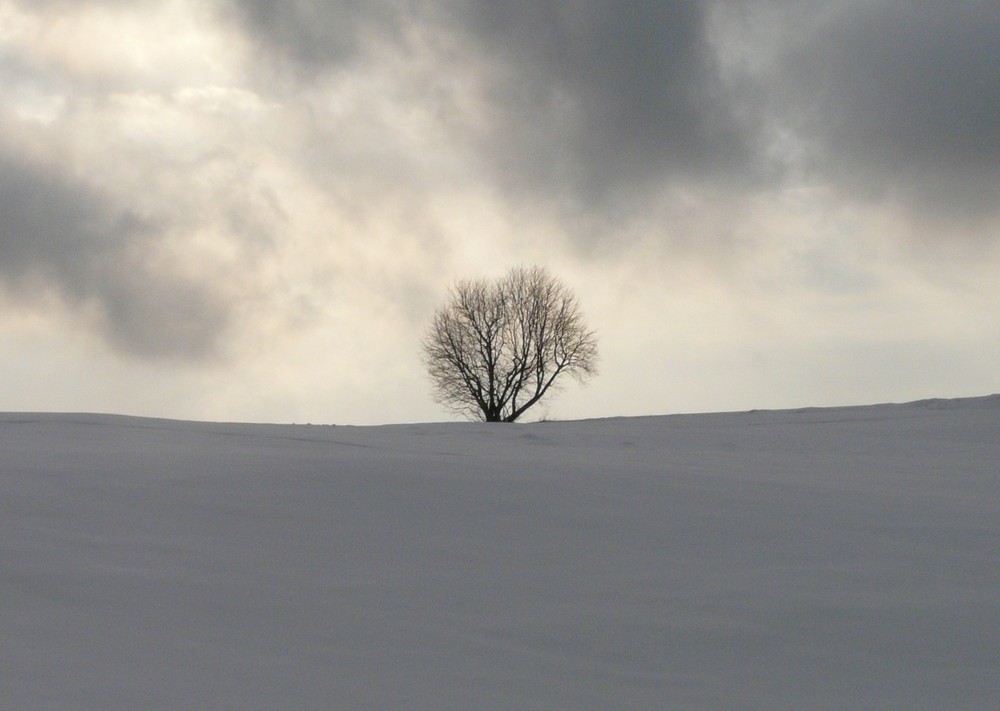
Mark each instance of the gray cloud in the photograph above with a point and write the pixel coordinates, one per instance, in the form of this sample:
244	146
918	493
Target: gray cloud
587	100
316	33
600	97
591	99
58	234
898	96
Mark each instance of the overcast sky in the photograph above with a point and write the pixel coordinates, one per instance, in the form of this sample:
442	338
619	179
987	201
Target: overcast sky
249	210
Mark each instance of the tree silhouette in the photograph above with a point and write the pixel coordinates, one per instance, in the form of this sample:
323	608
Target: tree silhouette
497	347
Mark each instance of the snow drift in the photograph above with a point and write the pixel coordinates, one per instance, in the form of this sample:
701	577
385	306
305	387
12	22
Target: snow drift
842	558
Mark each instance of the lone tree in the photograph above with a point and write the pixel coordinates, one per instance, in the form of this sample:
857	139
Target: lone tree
498	346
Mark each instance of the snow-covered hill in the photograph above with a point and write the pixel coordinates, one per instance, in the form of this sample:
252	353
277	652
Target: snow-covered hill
841	558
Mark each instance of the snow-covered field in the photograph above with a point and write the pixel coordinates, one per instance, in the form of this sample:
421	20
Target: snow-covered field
832	559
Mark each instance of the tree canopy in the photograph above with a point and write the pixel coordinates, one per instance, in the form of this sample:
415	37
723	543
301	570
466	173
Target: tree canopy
498	347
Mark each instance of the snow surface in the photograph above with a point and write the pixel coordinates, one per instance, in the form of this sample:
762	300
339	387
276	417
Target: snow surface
841	558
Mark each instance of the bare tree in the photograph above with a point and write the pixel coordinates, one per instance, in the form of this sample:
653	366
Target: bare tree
497	347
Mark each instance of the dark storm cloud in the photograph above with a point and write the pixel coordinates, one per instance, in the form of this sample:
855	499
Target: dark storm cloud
586	97
606	95
590	99
316	32
56	234
901	95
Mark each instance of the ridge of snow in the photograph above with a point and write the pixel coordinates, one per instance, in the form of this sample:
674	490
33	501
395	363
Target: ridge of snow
801	559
